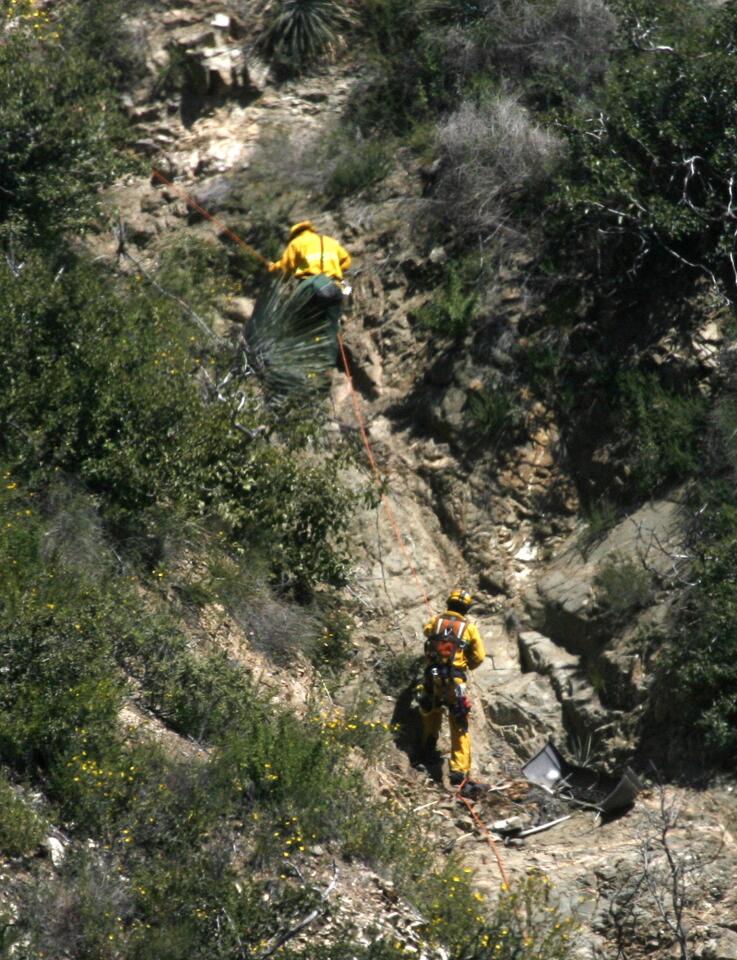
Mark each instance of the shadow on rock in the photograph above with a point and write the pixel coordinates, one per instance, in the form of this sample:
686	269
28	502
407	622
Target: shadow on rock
408	736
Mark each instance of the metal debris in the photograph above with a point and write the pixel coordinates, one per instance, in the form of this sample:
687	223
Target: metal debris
544	826
579	785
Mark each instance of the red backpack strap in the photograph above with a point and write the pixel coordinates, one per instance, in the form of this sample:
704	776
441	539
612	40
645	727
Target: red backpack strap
447	625
446	638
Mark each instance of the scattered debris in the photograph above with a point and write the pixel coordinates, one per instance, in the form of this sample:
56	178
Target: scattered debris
581	786
509	825
56	849
322	907
544	826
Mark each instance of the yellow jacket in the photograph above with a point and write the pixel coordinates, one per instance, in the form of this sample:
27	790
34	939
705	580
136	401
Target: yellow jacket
474	654
305	256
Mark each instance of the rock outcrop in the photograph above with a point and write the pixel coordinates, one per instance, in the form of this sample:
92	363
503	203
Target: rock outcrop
563	611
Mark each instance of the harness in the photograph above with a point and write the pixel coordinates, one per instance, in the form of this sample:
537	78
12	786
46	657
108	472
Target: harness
325	289
443	644
441	675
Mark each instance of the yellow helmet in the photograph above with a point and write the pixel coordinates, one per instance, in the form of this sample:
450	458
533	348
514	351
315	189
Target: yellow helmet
299	227
460	600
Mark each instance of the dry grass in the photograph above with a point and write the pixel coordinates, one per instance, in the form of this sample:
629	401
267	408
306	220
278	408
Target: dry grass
491	155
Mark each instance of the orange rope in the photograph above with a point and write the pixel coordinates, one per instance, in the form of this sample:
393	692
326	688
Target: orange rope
390	513
209	216
377	474
369	453
484	830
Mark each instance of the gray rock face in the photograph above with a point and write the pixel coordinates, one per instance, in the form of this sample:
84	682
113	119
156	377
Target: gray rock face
540	654
564	603
582	710
523	707
587	607
722	946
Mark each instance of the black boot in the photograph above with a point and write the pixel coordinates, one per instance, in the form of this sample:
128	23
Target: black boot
471	789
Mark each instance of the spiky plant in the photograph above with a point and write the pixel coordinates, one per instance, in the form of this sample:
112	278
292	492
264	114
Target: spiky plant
288	341
298	32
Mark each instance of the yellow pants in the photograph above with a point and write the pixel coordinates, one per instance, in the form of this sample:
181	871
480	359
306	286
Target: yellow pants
460	739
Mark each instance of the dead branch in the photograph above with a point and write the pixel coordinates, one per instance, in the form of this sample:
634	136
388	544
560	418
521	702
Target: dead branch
14	266
652	898
641	39
287	935
122	251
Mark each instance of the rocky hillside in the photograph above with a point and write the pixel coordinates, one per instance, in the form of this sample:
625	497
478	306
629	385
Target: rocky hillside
569	601
562	606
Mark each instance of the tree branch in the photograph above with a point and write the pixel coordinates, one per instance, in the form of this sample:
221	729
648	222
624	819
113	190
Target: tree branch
287	935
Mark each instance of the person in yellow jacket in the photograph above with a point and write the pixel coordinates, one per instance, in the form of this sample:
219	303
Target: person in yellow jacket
319	262
453	646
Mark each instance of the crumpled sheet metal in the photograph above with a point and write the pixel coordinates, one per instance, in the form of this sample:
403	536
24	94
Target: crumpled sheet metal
623	795
548	769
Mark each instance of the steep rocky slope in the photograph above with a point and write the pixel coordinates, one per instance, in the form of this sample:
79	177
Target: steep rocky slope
566	661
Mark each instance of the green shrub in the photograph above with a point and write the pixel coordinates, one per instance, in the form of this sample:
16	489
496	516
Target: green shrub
60	681
414	80
696	672
663	428
351	164
197	270
100	377
62	96
197	905
623	586
524	920
647	185
723	431
556	51
331	648
355	725
203	697
396	670
293	773
102	29
542	365
21	828
454	306
202	906
493	411
81	912
431	56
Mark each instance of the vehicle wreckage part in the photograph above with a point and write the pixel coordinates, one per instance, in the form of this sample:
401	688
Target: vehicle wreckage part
548	769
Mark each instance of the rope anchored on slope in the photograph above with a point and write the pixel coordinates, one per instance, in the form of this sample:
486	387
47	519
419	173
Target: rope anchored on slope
191	202
379	480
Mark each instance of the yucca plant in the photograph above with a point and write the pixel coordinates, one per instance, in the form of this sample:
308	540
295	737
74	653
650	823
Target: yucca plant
298	32
288	340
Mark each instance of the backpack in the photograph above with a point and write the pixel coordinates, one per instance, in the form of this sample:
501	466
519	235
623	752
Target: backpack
446	639
328	293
